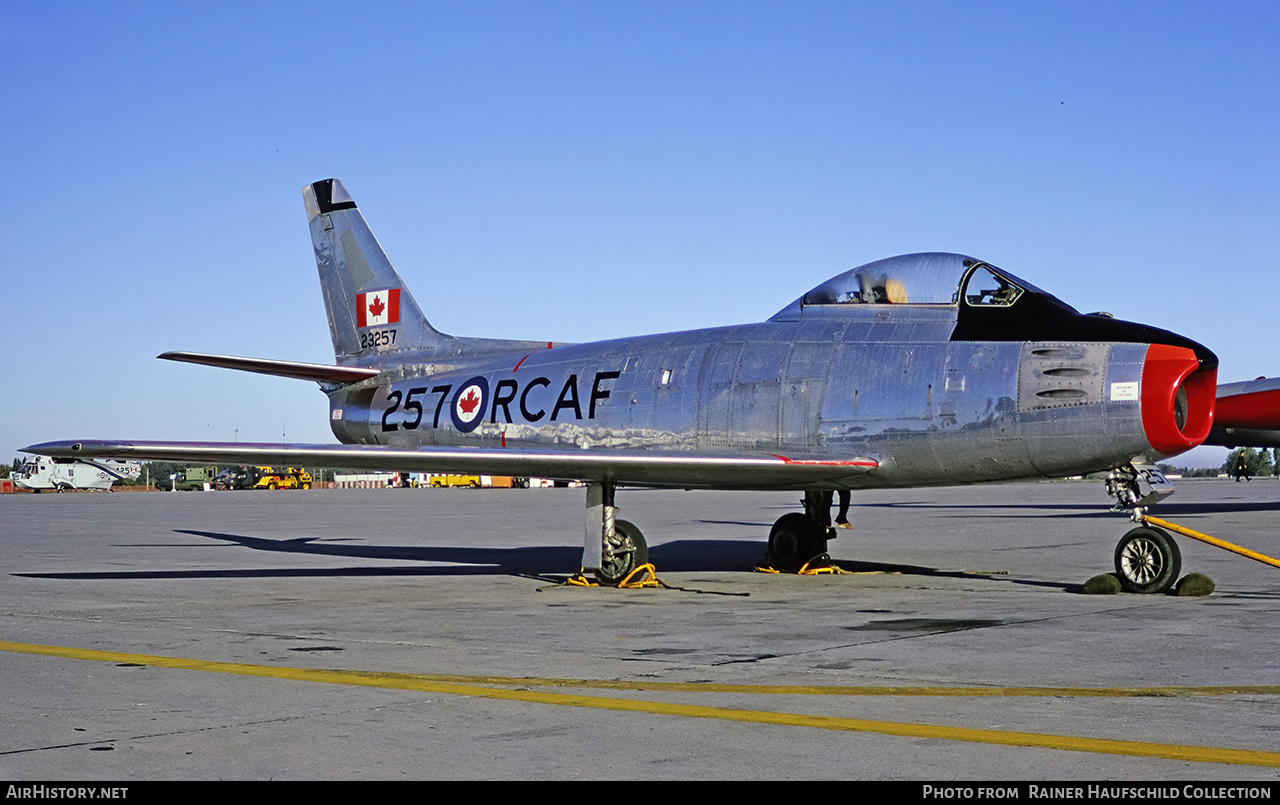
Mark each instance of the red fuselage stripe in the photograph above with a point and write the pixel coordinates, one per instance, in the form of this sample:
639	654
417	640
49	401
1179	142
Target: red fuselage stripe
827	463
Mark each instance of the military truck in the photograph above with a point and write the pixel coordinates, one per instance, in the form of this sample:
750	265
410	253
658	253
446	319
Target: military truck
192	478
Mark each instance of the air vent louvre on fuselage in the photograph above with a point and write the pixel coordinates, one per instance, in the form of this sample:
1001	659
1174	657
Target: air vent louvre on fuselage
1054	376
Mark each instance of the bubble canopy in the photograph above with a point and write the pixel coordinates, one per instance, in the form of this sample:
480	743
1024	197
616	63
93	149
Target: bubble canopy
927	278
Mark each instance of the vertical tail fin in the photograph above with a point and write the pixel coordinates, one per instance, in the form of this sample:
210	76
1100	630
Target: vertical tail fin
370	310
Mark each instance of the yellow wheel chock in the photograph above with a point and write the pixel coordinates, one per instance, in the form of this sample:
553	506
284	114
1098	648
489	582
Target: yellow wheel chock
820	565
645	575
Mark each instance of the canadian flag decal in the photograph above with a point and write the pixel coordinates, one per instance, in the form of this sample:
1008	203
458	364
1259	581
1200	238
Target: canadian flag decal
378	307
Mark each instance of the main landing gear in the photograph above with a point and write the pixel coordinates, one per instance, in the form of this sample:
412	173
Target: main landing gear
612	548
797	538
625	551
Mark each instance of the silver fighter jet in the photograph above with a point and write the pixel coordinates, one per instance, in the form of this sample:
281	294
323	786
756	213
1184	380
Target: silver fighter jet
919	370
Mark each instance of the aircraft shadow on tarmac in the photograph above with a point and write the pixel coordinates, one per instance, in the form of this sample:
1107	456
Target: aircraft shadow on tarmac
539	562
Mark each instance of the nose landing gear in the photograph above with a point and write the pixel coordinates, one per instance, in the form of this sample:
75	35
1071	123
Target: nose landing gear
1147	560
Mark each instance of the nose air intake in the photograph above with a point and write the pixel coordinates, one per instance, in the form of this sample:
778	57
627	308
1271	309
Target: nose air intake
1177	398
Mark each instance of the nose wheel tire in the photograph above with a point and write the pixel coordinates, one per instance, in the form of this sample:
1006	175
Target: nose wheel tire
1147	560
630	551
794	540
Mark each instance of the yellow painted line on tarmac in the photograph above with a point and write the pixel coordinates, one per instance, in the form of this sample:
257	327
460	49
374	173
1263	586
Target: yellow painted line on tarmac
864	690
1202	754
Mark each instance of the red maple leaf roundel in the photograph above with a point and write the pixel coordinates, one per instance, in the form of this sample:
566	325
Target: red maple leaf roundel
468	403
376	307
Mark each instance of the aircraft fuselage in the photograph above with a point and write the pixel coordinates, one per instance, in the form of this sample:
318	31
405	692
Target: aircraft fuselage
884	382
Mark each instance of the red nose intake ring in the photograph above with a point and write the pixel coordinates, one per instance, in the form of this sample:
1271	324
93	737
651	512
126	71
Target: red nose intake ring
1177	399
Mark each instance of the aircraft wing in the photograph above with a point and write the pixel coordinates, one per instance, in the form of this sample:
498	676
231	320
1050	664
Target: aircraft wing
1247	414
627	467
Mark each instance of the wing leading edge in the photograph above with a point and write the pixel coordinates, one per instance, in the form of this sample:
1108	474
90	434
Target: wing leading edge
629	467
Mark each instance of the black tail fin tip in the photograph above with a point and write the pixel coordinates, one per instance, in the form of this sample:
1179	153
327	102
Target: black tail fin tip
326	195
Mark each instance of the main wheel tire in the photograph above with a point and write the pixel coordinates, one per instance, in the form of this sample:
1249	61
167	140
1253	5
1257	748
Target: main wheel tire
632	552
1147	560
794	540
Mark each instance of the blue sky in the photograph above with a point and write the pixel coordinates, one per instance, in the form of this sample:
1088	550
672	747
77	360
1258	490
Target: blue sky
582	170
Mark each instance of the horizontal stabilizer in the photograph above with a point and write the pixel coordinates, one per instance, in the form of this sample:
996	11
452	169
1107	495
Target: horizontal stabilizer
633	467
319	372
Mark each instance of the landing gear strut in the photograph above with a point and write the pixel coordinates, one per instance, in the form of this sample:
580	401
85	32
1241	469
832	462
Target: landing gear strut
1147	558
796	538
612	548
